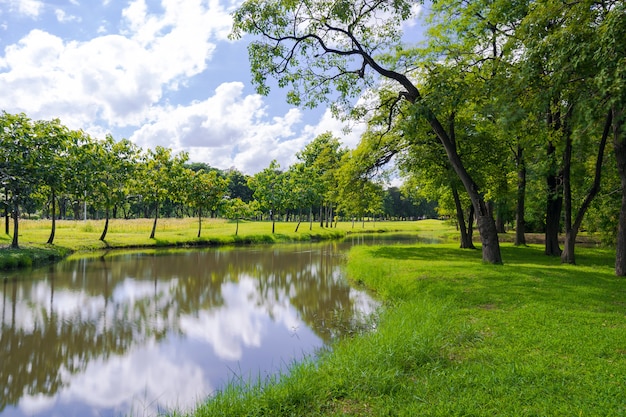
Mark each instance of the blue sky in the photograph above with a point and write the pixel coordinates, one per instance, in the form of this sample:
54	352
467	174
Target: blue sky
158	72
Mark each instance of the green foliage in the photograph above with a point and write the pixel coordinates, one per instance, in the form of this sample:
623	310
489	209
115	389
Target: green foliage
296	42
270	189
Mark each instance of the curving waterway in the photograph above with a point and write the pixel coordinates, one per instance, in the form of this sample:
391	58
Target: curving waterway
141	333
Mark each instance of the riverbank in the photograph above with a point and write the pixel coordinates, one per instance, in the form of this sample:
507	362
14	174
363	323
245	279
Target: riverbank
80	236
460	337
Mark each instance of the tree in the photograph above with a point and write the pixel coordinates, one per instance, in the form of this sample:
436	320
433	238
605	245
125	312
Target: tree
235	209
610	56
316	49
53	162
560	57
162	176
358	194
206	190
116	163
238	185
20	163
82	167
321	158
304	189
269	190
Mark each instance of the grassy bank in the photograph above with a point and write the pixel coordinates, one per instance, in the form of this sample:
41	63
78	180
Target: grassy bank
74	236
459	337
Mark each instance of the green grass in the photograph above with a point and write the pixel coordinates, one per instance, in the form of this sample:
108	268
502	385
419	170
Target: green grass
72	236
460	337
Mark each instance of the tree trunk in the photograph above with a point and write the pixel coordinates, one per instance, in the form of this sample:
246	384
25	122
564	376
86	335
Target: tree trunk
571	233
199	222
6	211
500	227
520	223
273	226
326	214
470	226
16	216
567	256
553	219
331	214
619	145
54	216
321	216
485	222
310	217
466	242
237	227
76	210
553	208
106	224
156	217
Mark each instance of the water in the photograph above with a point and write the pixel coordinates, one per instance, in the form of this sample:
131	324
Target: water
145	332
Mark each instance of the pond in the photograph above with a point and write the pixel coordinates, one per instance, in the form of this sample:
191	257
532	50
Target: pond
140	333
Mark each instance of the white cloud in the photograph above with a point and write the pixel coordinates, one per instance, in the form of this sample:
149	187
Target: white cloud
116	79
227	129
109	78
63	17
348	133
29	8
242	321
416	11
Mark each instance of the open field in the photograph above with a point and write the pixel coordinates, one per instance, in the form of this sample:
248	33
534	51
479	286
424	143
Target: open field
459	337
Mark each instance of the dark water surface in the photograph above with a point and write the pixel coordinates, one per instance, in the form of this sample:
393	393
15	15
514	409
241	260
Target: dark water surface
141	333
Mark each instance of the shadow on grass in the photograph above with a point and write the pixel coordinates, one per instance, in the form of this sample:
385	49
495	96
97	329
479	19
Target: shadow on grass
528	276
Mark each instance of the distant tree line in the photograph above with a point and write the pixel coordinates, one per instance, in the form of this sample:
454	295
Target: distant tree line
51	171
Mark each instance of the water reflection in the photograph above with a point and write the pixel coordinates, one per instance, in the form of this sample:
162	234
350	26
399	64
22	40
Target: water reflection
142	332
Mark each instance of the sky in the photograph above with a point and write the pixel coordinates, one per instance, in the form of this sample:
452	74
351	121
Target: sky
158	72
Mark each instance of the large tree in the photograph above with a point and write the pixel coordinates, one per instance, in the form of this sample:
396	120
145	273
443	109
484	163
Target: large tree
270	190
53	162
331	52
23	157
205	190
116	162
610	55
321	158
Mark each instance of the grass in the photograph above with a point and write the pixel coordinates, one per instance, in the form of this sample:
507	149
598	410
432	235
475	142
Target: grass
72	236
460	337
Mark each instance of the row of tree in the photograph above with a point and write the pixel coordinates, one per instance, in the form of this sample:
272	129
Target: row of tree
502	101
46	167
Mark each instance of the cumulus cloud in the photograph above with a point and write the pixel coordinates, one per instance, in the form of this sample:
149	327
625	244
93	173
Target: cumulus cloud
135	73
108	78
227	129
113	78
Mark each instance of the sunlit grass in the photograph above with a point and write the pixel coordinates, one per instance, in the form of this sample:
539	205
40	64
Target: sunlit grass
78	235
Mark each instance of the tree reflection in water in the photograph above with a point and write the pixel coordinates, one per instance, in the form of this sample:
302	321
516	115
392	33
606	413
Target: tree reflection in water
165	328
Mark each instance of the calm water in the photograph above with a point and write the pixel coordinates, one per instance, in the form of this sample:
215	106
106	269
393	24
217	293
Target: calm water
142	333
